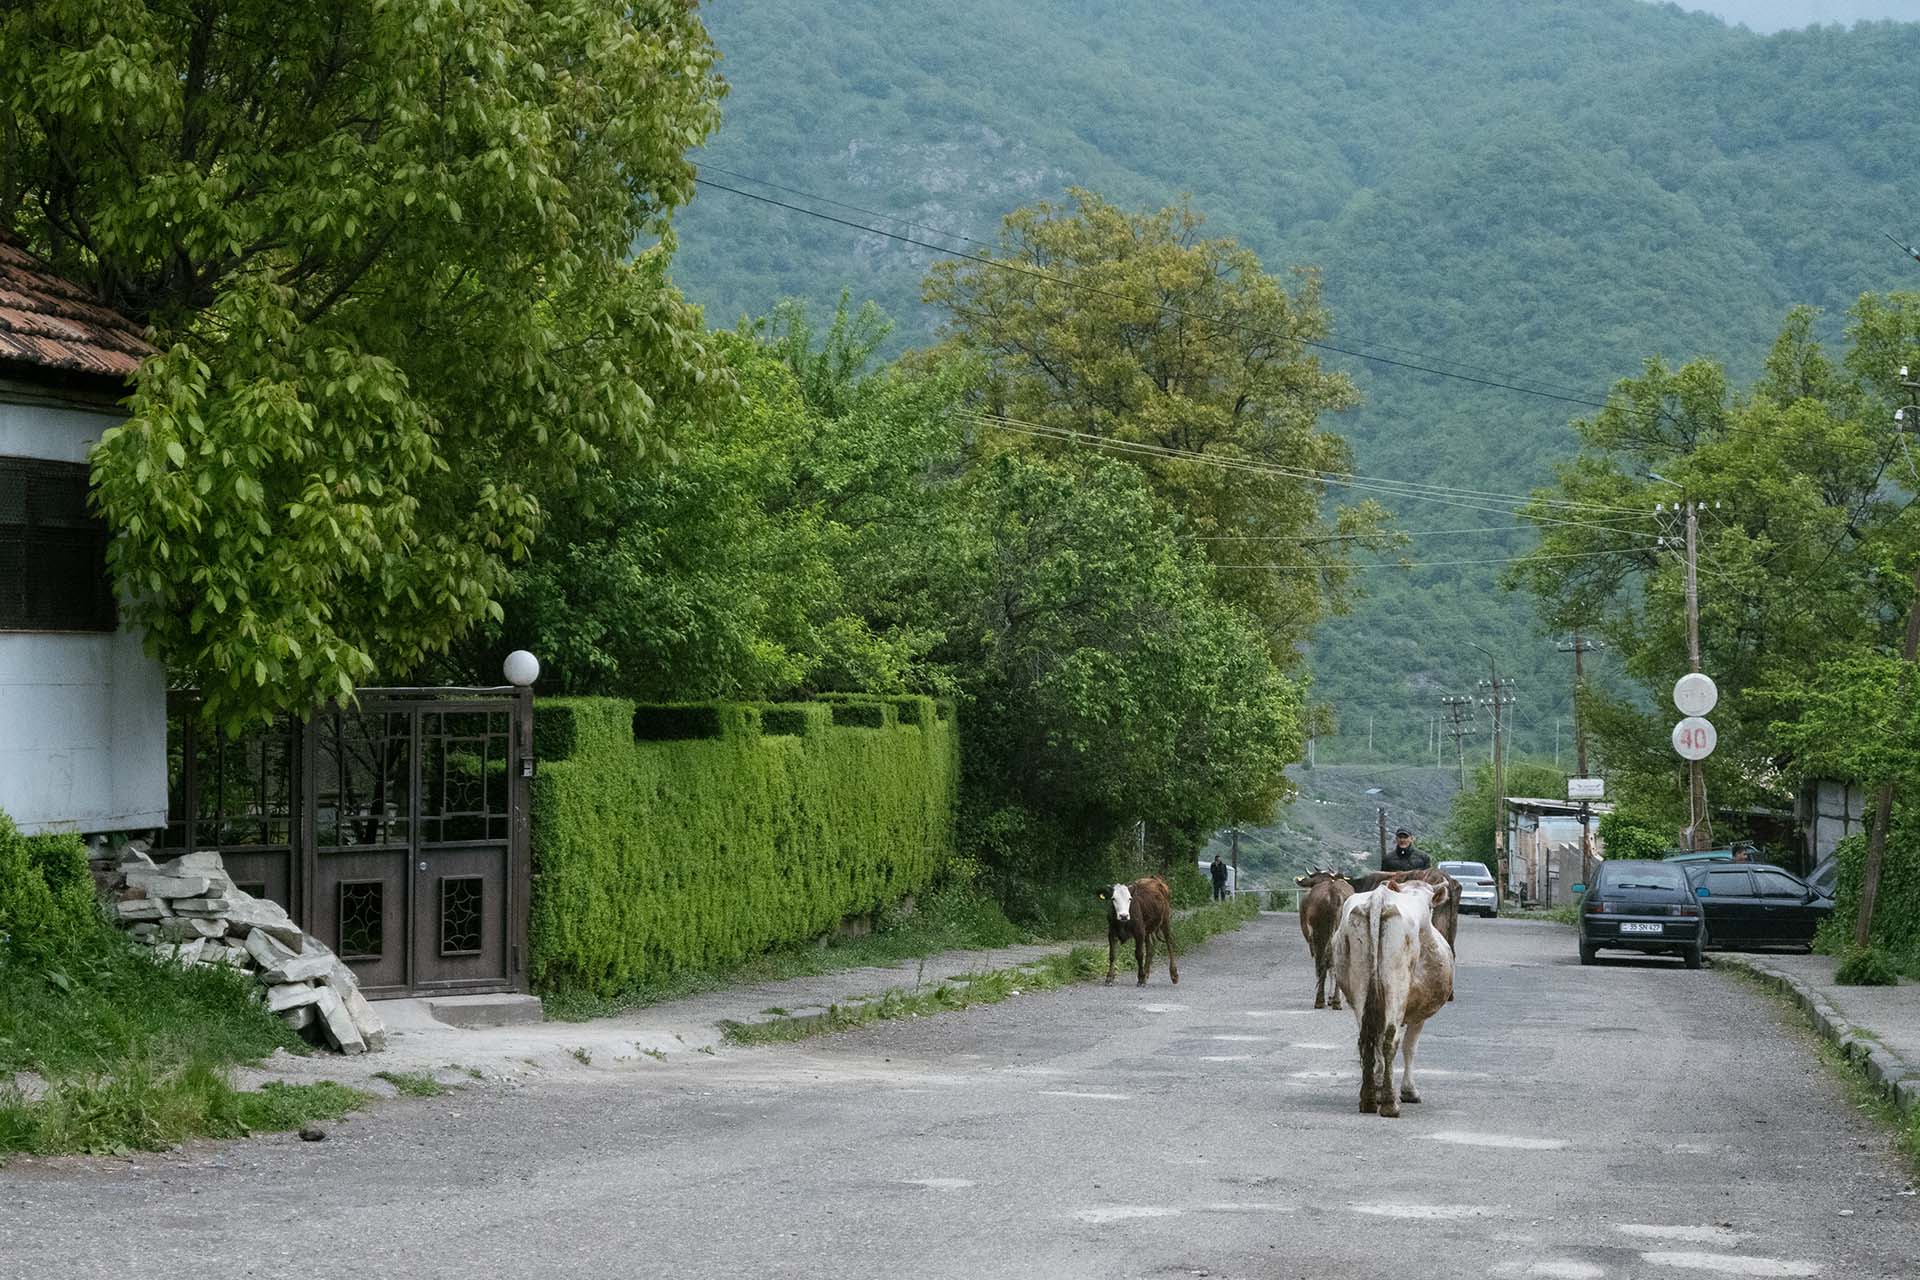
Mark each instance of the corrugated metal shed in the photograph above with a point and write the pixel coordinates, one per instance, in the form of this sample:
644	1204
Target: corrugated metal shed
47	322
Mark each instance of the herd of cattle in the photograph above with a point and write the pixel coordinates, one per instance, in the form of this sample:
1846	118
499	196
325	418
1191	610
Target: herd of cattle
1386	939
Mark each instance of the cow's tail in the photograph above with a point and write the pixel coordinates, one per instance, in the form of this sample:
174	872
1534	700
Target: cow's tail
1373	1012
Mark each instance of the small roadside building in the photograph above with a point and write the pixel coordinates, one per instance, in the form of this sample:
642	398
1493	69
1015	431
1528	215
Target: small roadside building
1545	840
83	708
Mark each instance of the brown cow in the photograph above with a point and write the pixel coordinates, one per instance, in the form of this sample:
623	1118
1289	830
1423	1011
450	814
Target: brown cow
1322	894
1142	911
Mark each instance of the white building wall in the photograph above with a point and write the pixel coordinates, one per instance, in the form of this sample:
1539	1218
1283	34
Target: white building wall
83	717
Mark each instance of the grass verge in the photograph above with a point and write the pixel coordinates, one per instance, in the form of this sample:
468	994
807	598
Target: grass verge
1079	964
103	1051
1568	914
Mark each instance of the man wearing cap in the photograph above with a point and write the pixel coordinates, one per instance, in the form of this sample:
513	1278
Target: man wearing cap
1403	856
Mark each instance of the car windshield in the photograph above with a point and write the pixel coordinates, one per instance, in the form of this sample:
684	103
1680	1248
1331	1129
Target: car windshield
1642	875
1473	870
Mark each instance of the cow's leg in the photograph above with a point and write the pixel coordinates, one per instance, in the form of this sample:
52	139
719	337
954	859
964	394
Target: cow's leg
1389	1105
1113	945
1173	965
1409	1092
1369	1097
1143	954
1320	984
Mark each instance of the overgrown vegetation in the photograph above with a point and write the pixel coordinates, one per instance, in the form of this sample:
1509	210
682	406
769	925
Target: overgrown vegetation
1895	942
122	1053
1866	967
414	1084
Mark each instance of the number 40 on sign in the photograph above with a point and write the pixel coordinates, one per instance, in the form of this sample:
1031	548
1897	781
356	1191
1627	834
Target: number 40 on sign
1694	738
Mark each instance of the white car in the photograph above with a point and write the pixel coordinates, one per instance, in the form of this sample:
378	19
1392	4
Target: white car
1477	892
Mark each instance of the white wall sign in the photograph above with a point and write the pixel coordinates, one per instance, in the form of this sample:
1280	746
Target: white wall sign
1586	789
1694	738
1695	694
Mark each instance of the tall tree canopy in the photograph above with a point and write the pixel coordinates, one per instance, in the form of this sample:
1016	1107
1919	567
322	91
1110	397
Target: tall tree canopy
1805	541
385	246
1136	329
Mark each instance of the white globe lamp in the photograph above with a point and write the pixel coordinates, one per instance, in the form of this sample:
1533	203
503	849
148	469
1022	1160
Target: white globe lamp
521	668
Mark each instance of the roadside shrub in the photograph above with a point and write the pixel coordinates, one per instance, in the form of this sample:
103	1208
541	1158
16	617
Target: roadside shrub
1896	913
46	893
674	839
1866	967
1625	838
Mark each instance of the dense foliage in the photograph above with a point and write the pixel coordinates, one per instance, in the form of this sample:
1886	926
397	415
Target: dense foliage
1532	192
692	836
389	270
1805	541
1896	916
1469	832
46	894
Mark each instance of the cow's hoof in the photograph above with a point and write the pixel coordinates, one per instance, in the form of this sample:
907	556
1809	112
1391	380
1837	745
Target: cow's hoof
1408	1095
1319	1004
1109	981
1391	1111
1368	1107
1176	979
1334	1005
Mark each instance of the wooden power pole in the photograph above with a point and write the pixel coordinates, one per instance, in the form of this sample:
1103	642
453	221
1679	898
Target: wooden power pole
1459	727
1579	648
1700	833
1497	700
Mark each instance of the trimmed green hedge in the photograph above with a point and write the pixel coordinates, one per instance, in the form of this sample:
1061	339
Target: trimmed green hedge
46	891
668	838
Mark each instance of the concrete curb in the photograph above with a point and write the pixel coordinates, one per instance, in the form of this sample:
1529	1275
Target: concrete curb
1897	1080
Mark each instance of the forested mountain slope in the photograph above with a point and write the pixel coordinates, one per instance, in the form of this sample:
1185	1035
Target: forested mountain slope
1543	191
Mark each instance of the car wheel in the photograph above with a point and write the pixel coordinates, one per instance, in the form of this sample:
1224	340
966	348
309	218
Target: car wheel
1587	950
1695	956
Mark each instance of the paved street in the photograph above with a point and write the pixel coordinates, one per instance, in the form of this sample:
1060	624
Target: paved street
1633	1119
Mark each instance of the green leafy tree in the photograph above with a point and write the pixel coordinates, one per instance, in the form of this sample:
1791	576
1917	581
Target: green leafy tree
1101	680
1803	541
1136	329
1469	828
386	251
784	552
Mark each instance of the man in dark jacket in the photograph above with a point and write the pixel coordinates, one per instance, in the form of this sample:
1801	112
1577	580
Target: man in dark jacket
1219	873
1403	856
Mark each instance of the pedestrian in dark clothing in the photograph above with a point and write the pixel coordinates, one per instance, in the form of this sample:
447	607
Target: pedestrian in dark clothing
1403	856
1219	873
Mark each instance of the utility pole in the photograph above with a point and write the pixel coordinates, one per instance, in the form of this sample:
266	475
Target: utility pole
1700	834
1383	835
1236	859
1459	727
1579	648
1906	419
1497	699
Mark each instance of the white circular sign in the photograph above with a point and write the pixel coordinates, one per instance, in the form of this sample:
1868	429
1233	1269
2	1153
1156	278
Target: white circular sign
1695	694
1694	738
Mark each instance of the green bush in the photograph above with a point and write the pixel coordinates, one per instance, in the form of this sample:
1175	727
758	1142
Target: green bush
661	846
46	892
1896	912
1866	967
1622	837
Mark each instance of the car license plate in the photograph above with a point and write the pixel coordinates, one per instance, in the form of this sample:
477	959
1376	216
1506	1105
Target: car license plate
1631	927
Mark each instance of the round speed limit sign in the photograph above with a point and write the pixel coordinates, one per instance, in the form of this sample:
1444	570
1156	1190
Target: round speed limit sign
1694	738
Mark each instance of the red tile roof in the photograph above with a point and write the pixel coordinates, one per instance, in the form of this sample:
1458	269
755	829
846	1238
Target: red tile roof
51	323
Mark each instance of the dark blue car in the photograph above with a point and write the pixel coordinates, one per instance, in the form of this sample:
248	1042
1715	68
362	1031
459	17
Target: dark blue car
1649	907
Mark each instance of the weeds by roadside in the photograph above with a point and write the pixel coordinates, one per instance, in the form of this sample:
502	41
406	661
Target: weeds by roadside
414	1084
1080	964
1568	914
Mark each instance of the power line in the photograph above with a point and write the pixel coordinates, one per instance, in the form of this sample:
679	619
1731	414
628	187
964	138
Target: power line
1503	383
991	245
1430	564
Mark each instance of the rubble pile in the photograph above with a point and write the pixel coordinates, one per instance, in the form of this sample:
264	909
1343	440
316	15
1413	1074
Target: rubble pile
189	912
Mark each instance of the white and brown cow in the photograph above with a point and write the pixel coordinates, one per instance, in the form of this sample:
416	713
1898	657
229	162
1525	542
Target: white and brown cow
1142	911
1396	971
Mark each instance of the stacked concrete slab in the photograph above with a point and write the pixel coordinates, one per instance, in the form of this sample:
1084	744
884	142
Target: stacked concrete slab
189	913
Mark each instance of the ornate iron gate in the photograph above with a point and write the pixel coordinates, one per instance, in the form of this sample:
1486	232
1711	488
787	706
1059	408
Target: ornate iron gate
394	830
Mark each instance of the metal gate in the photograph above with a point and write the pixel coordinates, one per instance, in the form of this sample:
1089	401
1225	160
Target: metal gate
394	830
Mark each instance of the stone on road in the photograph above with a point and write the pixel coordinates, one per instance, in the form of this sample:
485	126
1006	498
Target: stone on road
1632	1119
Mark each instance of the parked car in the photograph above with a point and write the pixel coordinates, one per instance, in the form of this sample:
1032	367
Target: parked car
1477	892
1714	855
1641	906
1754	904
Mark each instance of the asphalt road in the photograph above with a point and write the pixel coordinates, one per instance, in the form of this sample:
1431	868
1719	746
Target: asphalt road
1633	1119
